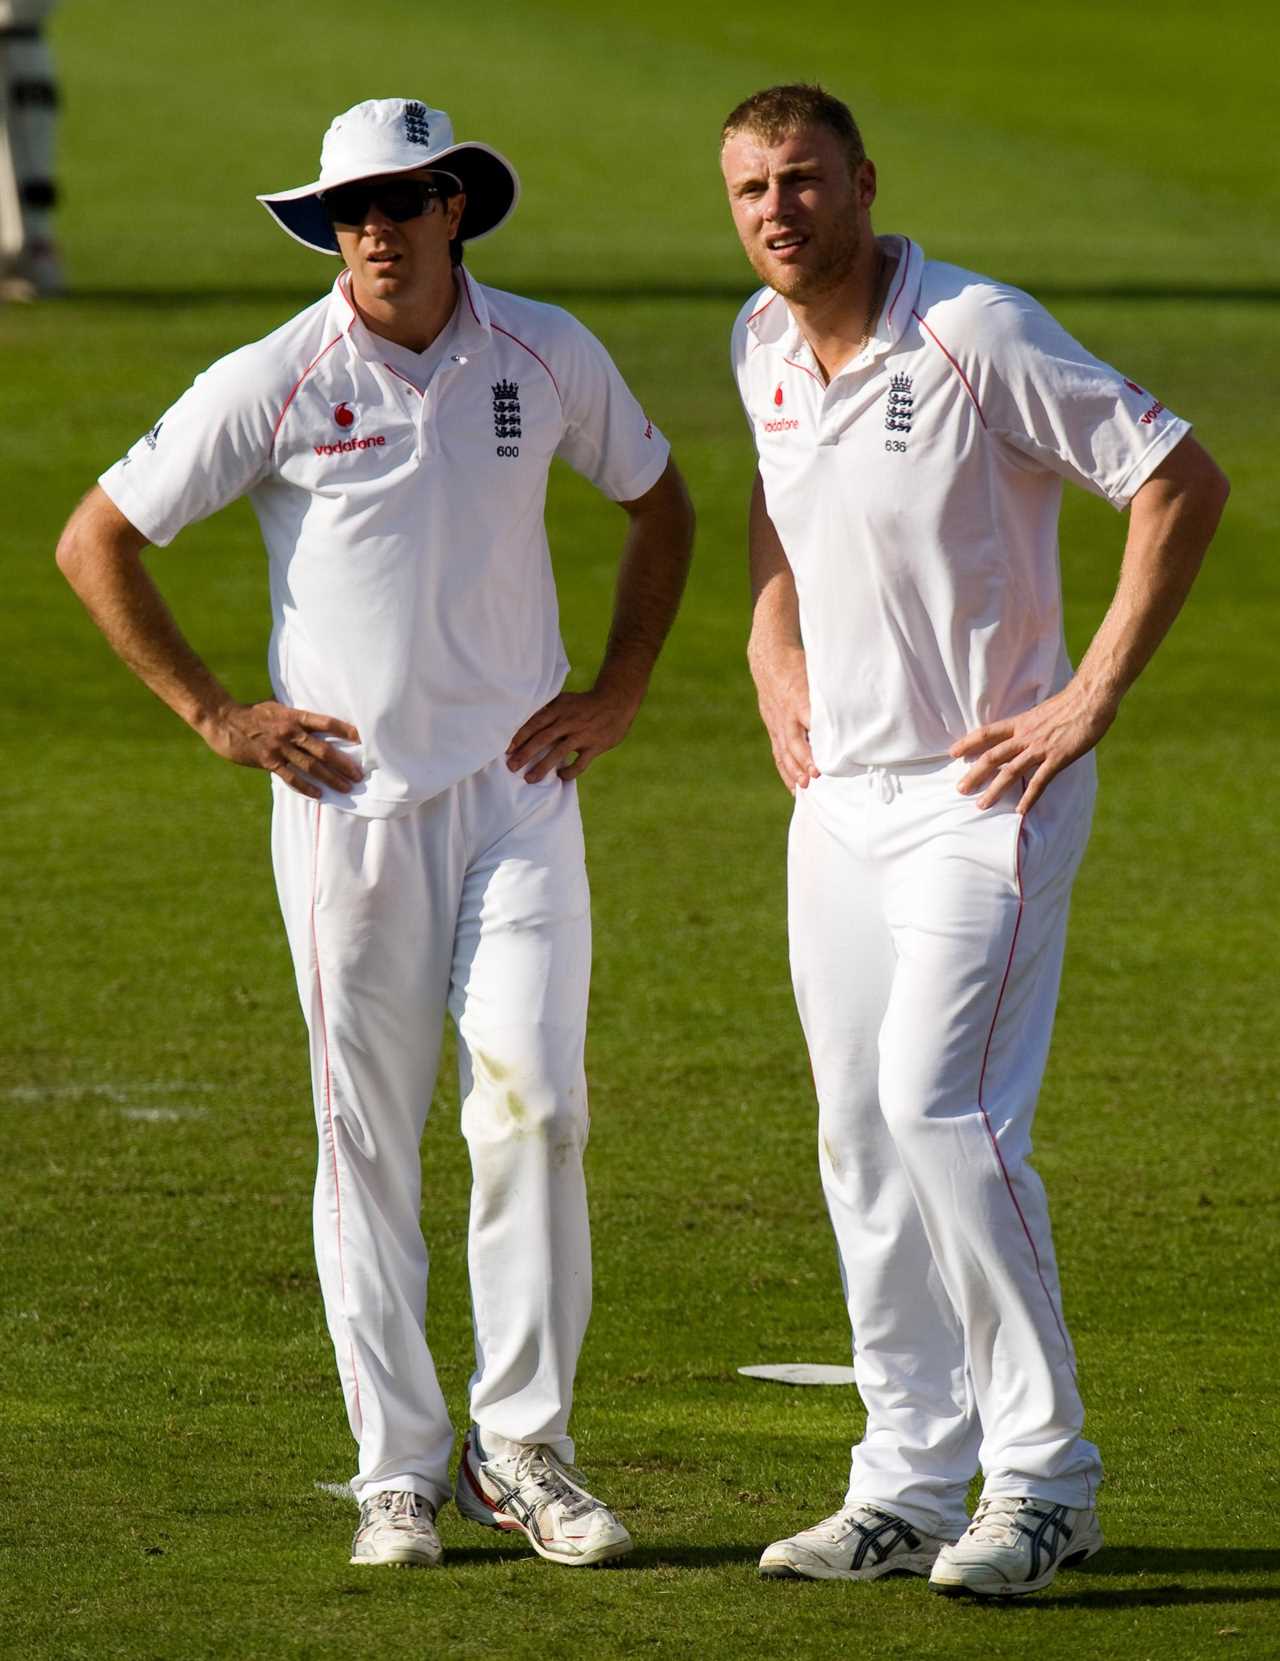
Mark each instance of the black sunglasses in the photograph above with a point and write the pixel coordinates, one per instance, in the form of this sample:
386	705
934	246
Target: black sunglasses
398	199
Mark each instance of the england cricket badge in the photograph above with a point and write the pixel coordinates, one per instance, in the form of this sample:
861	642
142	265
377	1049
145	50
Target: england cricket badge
898	410
506	416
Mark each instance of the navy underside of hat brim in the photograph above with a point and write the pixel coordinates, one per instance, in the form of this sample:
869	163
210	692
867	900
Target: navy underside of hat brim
304	218
491	192
490	188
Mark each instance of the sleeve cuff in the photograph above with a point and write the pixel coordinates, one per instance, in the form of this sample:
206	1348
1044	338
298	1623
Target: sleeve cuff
114	485
1167	439
649	475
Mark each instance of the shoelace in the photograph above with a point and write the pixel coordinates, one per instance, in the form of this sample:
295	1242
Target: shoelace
400	1507
996	1520
540	1468
836	1526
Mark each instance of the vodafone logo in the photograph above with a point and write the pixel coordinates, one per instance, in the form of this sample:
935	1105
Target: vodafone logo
1134	387
344	416
777	397
345	446
784	424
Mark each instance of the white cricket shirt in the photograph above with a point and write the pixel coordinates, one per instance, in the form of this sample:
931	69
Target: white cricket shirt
917	499
411	582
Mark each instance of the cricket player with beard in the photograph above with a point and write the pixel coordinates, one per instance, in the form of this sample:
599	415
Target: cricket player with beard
394	440
914	423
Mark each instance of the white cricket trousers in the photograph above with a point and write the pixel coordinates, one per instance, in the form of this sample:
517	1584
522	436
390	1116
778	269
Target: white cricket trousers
926	943
476	902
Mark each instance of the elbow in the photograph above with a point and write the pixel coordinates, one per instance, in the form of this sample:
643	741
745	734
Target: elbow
689	520
97	533
69	552
1215	488
1206	480
684	518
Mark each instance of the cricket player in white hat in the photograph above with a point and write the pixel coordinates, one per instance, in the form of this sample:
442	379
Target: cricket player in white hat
394	440
914	423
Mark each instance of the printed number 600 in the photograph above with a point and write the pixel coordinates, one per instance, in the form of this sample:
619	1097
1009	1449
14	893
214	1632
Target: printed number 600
508	449
894	444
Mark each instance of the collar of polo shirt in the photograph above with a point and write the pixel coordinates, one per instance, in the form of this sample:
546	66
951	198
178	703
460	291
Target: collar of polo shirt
473	329
775	324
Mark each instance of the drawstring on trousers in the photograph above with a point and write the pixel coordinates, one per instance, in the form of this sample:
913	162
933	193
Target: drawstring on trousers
889	784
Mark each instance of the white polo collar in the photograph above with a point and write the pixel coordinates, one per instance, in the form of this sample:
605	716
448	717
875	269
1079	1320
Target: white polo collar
473	330
774	324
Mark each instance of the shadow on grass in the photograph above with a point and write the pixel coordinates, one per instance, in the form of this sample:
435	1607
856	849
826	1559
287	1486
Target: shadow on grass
1135	1560
1173	1596
1076	1589
1073	1591
163	299
646	1559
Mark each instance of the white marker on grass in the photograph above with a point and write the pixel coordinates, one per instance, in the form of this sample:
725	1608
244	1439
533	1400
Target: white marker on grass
339	1490
801	1372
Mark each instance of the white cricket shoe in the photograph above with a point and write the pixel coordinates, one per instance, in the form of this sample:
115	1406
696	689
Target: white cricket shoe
862	1542
397	1527
1014	1546
539	1496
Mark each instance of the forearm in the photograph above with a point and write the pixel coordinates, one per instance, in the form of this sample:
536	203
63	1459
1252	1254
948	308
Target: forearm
651	577
1171	523
775	648
775	607
100	554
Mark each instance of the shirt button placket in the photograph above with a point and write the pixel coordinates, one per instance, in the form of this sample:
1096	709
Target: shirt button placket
430	400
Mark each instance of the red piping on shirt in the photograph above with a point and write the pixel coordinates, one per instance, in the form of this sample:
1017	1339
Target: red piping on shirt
285	410
756	341
497	328
328	1110
933	337
792	364
995	1145
403	378
344	289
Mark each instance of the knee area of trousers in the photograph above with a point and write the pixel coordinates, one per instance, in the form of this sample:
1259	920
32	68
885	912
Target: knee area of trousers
918	1112
839	1143
525	1106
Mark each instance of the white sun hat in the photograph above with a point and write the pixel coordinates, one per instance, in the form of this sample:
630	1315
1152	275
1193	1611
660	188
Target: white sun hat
396	135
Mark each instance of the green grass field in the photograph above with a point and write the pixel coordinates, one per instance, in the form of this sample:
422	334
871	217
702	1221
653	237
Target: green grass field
168	1403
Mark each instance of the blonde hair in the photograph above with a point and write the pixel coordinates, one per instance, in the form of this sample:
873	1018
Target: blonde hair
778	112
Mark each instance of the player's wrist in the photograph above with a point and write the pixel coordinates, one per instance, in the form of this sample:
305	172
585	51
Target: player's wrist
212	716
624	677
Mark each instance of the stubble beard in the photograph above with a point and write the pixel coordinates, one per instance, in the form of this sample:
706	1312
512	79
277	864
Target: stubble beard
838	263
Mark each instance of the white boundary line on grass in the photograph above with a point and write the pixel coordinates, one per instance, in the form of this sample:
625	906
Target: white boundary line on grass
337	1490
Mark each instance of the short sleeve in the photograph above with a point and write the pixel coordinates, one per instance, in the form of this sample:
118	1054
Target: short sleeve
210	447
739	346
1059	406
607	437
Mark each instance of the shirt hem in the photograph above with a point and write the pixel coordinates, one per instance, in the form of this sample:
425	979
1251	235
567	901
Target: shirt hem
1147	462
123	500
636	488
